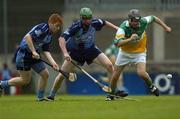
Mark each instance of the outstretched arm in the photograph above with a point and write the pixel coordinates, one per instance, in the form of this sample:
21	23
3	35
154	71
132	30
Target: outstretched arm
109	24
161	23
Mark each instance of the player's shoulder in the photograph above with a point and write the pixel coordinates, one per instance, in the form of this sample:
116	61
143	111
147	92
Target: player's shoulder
97	23
40	28
147	19
76	24
94	20
124	24
144	19
42	25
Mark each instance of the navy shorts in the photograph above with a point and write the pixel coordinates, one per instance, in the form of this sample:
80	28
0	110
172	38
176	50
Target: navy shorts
25	62
85	55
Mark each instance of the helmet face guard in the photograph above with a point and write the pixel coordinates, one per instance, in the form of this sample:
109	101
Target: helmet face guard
134	15
134	18
85	17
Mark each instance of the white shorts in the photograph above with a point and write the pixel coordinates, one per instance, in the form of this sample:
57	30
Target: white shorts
124	58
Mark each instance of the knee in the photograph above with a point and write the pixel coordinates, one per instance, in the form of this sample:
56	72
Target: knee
110	67
59	77
25	81
45	75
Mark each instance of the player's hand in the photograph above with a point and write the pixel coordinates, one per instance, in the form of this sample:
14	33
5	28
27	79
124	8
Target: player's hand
116	41
55	66
67	57
35	55
168	29
134	37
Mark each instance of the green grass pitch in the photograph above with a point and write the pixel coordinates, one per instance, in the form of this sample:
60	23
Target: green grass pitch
90	107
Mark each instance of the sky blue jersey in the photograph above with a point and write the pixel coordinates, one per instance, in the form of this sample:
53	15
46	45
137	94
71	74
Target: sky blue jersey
41	38
77	38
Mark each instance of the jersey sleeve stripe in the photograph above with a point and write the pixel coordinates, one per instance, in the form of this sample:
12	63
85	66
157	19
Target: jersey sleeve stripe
119	36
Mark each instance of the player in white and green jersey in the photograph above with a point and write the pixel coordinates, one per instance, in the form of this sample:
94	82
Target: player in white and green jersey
131	37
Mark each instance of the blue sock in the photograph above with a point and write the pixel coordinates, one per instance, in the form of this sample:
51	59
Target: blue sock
4	84
52	93
40	94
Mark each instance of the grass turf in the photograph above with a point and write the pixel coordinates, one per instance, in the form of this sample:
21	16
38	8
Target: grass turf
90	107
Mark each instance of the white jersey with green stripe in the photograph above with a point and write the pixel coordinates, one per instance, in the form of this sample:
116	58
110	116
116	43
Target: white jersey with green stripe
125	31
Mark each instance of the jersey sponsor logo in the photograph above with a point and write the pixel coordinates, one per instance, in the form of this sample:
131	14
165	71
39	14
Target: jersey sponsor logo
66	32
38	32
47	39
84	37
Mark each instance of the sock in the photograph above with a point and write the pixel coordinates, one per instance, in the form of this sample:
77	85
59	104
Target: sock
40	94
149	82
4	84
151	86
52	93
113	91
120	88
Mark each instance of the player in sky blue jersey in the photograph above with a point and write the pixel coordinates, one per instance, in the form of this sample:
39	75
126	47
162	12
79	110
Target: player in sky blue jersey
37	40
77	43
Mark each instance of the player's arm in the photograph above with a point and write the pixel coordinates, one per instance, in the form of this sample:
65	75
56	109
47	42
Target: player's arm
34	35
48	55
31	46
150	19
51	60
65	37
120	39
161	23
109	24
99	23
62	44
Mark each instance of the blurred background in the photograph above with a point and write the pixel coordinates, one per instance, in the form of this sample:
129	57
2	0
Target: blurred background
17	17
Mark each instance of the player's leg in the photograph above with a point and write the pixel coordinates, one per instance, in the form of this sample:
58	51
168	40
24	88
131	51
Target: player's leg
40	68
141	71
120	82
115	77
121	61
43	79
42	82
25	77
67	67
120	87
104	61
106	78
24	67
